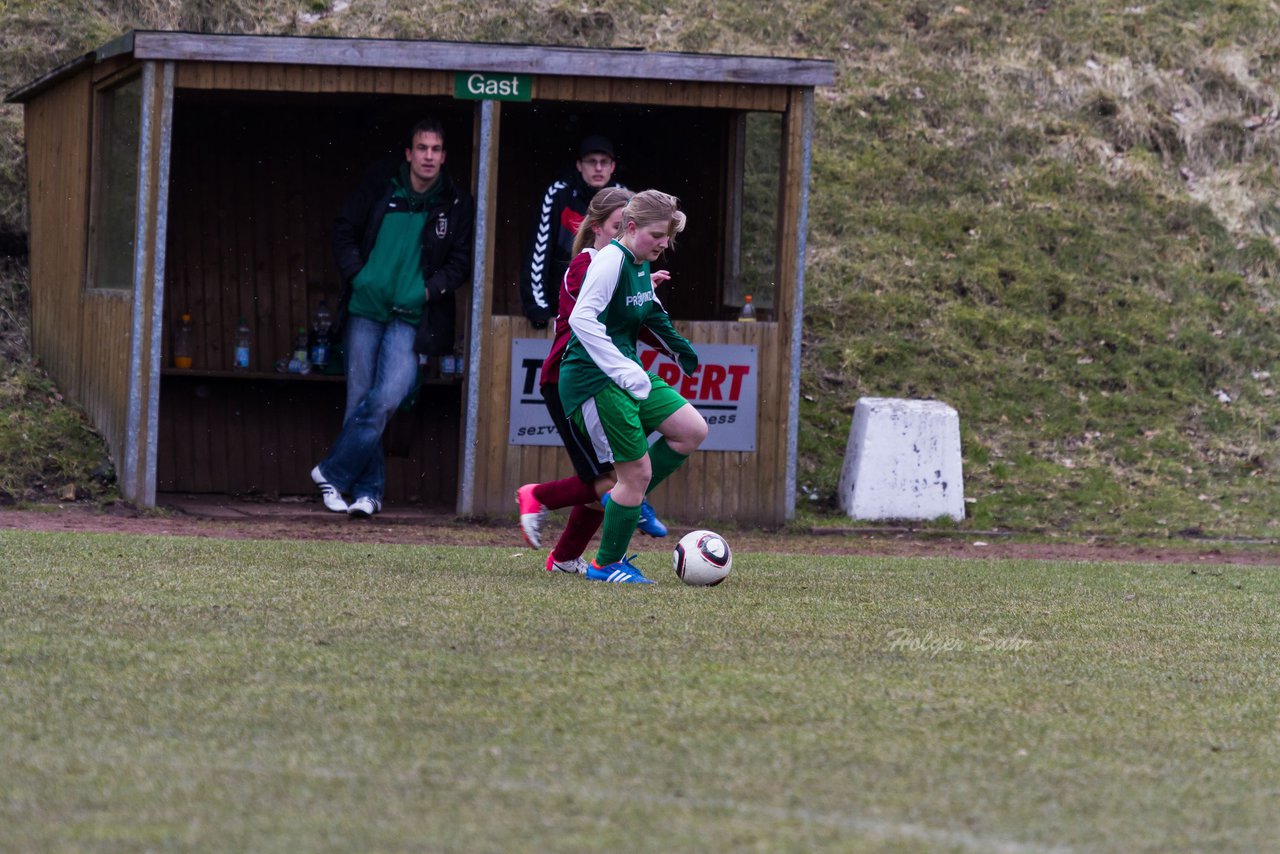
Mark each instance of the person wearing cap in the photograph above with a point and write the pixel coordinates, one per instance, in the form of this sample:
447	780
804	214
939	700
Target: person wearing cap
561	212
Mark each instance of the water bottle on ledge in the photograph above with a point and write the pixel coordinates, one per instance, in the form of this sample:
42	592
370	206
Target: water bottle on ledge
320	336
240	360
748	314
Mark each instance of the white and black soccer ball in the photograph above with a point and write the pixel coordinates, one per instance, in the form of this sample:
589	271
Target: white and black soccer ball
702	558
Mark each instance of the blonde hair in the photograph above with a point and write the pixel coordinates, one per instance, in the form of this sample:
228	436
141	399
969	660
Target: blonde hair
650	206
602	206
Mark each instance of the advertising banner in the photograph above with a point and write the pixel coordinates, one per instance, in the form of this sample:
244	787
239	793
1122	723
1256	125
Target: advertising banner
723	389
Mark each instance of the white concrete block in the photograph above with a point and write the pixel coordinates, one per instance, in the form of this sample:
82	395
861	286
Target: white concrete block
903	461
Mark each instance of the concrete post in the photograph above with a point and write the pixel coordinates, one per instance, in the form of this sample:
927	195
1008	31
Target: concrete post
903	461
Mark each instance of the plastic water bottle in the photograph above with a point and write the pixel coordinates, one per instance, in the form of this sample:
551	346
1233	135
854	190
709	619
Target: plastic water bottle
240	360
299	361
320	335
748	314
183	349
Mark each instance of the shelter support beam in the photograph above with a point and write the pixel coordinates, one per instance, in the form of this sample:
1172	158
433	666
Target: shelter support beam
797	159
481	304
138	468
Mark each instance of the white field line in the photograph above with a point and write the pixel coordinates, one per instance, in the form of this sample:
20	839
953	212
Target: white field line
871	829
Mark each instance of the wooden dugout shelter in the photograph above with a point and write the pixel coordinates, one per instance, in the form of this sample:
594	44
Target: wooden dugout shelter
175	172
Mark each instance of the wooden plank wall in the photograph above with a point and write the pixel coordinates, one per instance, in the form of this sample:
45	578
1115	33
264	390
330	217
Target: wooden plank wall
106	331
743	486
263	77
607	90
738	485
500	466
601	90
248	233
261	436
80	336
57	137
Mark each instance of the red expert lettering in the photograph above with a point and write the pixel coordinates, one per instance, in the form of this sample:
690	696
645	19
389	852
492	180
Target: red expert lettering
713	376
738	373
669	373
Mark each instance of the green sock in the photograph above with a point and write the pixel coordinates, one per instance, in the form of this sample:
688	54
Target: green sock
663	461
615	534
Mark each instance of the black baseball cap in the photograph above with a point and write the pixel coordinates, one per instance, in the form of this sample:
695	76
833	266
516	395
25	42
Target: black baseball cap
595	142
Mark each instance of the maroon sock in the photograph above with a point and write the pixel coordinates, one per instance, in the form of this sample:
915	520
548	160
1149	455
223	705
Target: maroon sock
582	526
565	492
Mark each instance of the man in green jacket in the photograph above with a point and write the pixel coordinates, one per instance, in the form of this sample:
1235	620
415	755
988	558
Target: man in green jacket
403	245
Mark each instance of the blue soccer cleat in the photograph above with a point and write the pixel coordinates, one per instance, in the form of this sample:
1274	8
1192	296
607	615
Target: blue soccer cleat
649	523
622	572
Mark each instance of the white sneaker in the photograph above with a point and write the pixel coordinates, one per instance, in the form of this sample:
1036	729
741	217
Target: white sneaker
328	492
574	566
364	507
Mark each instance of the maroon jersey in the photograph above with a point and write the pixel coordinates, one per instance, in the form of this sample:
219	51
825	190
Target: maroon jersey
569	288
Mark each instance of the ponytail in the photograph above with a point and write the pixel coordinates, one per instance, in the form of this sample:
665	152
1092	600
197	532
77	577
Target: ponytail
601	208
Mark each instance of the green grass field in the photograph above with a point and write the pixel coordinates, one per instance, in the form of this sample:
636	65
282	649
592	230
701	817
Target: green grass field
181	693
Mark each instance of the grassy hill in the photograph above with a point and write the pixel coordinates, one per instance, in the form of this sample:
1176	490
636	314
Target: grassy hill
1058	217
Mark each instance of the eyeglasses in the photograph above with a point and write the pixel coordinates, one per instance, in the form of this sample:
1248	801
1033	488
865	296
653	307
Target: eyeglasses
597	162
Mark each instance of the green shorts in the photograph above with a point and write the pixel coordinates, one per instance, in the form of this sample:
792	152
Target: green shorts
619	425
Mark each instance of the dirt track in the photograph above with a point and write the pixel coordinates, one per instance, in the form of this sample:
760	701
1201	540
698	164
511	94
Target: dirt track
202	517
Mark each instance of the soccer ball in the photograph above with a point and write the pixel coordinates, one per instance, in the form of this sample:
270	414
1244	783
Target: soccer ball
702	558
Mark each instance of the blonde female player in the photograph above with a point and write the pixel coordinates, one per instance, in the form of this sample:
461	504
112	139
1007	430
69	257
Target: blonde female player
593	478
605	391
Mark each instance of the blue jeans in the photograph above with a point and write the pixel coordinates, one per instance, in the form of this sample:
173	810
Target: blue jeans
381	369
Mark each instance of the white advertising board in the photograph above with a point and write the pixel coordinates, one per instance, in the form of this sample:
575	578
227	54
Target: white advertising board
723	389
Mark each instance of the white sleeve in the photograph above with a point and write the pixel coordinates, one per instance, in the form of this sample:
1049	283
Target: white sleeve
597	290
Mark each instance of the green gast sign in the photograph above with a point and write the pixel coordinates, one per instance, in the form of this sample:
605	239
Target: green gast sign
481	85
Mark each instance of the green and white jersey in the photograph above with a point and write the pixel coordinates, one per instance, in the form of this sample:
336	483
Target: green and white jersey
616	300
